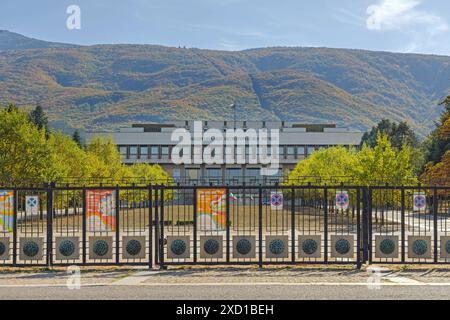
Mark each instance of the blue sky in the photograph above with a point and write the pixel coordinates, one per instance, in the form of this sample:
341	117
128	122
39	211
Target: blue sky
421	26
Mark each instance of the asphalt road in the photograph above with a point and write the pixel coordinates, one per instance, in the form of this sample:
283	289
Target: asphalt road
230	292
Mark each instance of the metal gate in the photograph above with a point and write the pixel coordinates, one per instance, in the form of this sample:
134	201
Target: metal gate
243	225
224	225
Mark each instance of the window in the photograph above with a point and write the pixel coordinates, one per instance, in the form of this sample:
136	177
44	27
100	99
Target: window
192	174
214	173
311	150
252	175
176	174
123	151
234	175
144	152
133	152
154	151
291	151
301	151
165	151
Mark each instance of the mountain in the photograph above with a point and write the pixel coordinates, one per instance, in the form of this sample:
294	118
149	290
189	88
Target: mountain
14	41
103	87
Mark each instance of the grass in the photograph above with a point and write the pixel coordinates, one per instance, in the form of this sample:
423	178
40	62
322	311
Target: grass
242	218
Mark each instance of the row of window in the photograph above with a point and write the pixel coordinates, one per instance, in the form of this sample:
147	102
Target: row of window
158	152
216	173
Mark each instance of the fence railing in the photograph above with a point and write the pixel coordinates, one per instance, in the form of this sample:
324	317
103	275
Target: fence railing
224	224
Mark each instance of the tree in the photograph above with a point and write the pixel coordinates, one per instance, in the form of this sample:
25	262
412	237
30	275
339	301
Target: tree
384	164
11	107
329	164
27	155
380	164
439	173
68	159
107	163
24	152
77	138
438	143
399	134
38	117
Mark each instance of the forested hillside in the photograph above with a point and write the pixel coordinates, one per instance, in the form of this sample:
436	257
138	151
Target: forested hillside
107	86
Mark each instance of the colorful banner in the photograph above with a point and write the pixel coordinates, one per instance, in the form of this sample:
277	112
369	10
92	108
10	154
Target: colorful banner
211	209
101	210
6	211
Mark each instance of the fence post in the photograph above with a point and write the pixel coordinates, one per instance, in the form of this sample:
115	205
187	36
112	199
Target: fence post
369	224
150	227
325	213
50	223
161	249
157	239
15	203
227	193
260	227
402	222
435	222
195	224
293	223
118	224
83	222
366	224
358	228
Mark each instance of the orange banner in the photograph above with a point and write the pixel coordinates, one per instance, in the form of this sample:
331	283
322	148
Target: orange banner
101	210
211	209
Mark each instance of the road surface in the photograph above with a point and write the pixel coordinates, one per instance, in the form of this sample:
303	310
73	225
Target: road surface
228	284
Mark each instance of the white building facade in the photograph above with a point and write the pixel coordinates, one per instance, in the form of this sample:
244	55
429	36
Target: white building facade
153	143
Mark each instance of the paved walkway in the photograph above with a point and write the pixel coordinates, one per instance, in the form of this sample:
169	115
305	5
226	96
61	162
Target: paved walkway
228	283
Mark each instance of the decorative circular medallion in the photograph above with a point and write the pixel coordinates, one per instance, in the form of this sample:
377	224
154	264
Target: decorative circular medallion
66	248
309	246
420	247
244	246
342	246
100	248
276	246
387	246
133	247
2	248
30	249
178	247
211	246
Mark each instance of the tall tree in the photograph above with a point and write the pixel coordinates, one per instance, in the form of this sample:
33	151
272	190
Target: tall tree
399	134
438	143
77	138
39	118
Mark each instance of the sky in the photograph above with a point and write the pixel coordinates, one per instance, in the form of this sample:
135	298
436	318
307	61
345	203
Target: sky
413	26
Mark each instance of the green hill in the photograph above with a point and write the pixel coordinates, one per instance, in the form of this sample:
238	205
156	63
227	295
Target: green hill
107	86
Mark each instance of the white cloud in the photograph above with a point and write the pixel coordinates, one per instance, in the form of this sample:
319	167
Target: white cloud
403	15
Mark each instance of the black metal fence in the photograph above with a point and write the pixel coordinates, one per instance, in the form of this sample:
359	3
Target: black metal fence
218	225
